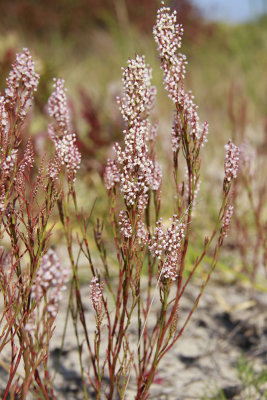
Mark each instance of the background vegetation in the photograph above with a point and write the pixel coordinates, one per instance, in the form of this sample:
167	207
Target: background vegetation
86	42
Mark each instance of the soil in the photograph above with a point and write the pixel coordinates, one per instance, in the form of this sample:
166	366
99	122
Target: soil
229	321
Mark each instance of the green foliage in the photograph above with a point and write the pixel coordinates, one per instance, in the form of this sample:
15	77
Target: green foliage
254	383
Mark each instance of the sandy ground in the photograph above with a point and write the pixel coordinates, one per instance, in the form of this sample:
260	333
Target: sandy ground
228	322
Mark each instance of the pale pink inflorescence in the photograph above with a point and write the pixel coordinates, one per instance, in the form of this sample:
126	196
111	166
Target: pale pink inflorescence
22	82
133	167
227	220
67	153
2	199
8	162
231	161
50	280
58	107
96	295
166	245
141	233
136	166
156	176
139	95
168	36
125	224
4	122
111	174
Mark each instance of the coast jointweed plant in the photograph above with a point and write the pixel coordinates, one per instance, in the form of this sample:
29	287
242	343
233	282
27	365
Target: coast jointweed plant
142	241
151	254
31	276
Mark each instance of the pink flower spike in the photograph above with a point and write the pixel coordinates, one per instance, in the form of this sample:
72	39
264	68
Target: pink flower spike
227	221
22	82
96	295
231	160
67	152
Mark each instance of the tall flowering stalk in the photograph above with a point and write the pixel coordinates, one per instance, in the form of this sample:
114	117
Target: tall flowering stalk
134	176
151	252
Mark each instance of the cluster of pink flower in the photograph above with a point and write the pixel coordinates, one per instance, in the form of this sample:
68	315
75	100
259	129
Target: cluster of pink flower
67	152
227	221
8	163
168	36
3	122
133	167
58	107
139	95
231	161
166	245
21	83
111	174
126	227
96	295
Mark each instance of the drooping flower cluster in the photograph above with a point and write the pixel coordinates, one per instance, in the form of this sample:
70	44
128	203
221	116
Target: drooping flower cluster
231	161
166	246
168	36
67	153
22	81
50	280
